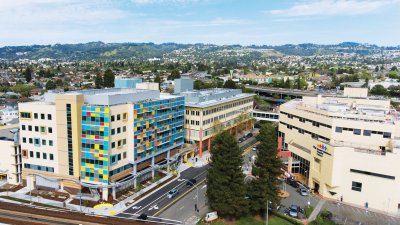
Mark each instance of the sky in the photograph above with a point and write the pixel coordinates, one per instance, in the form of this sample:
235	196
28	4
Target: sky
245	22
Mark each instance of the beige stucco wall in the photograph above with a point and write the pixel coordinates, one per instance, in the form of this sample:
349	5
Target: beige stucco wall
195	129
8	161
333	170
46	109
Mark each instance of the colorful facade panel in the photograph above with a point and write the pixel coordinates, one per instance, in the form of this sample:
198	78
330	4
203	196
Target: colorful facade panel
95	144
158	125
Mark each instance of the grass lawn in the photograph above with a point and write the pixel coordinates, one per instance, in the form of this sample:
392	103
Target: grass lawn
253	221
308	211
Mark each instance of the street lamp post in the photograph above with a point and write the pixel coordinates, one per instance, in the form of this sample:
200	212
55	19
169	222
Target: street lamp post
197	195
266	219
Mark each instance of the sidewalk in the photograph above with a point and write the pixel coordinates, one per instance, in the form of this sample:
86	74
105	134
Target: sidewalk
316	210
102	209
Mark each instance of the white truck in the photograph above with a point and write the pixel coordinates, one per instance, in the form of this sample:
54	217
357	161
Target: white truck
211	216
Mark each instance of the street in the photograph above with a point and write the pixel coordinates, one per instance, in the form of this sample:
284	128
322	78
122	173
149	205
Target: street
157	200
183	210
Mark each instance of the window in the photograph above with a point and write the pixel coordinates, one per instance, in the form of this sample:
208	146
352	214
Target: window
124	155
50	143
387	134
30	141
112	131
50	130
29	127
124	116
42	116
36	141
339	129
25	153
25	115
356	186
357	132
31	154
124	141
113	145
24	140
43	142
42	129
124	128
112	118
367	133
187	112
35	115
118	130
36	129
51	157
49	116
44	155
38	155
119	143
119	117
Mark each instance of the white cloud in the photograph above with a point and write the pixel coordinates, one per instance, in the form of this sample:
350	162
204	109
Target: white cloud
333	7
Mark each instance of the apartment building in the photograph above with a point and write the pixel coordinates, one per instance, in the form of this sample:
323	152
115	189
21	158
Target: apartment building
345	147
209	111
97	137
11	161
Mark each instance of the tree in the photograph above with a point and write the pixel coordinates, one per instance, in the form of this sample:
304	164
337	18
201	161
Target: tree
226	190
98	81
174	75
394	68
108	78
24	90
301	83
28	74
266	169
377	69
378	90
230	84
157	79
50	85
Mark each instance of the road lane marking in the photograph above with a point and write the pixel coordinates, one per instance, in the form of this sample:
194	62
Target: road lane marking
153	207
181	208
204	186
136	207
176	187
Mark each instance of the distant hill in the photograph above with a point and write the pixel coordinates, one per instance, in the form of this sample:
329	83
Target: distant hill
100	50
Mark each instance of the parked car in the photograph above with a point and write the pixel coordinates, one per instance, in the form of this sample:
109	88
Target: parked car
143	216
305	187
191	182
303	191
172	193
241	140
249	135
293	211
293	183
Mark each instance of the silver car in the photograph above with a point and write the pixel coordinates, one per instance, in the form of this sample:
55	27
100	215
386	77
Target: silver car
303	192
172	193
293	211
